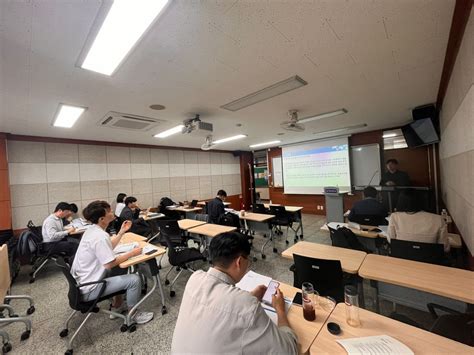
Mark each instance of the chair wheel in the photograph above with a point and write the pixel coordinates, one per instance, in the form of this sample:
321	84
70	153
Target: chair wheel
287	242
123	328
264	256
6	347
172	293
167	282
164	310
14	316
25	335
295	241
144	290
254	259
132	328
264	235
275	250
64	333
31	310
32	280
301	236
31	273
69	352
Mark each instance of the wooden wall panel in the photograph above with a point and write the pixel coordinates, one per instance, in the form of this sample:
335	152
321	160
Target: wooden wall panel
5	204
246	158
414	161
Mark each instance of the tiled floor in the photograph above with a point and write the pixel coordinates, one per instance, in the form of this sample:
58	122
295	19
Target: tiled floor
102	335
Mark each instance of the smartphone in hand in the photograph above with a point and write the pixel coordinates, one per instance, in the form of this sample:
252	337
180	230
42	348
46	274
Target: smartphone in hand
271	290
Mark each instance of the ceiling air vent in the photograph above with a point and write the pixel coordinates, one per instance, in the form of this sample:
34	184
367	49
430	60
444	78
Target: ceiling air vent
129	122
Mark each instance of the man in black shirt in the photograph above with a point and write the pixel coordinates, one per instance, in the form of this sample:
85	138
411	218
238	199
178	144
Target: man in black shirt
131	213
368	208
215	208
393	176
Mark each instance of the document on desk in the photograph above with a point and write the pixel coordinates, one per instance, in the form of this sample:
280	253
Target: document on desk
271	312
251	280
379	344
125	248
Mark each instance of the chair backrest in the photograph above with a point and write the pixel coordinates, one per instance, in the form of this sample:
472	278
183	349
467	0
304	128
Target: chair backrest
74	295
345	238
369	220
5	273
29	244
458	327
36	230
203	217
194	203
425	252
170	233
229	219
259	208
325	275
281	216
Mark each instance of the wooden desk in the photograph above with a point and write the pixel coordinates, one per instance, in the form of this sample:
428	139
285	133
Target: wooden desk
131	237
305	330
291	209
143	257
211	230
187	209
147	217
186	224
203	203
358	232
440	280
256	217
351	260
418	340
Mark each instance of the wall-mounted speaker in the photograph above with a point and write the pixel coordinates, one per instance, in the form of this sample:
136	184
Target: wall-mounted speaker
425	111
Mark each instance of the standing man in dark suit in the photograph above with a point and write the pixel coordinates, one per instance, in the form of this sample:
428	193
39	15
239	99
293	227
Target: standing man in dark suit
215	208
368	207
393	177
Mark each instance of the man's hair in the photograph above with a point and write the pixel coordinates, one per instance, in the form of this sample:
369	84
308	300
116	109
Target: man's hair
370	191
129	200
120	197
394	161
222	193
95	210
409	201
226	247
74	208
63	206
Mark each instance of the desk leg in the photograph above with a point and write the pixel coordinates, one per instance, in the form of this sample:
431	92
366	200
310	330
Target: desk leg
270	238
360	286
301	224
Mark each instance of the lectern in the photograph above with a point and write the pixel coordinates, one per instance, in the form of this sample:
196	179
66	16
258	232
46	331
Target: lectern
334	204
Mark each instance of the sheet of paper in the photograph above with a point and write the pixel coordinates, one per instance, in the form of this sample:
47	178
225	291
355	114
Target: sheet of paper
384	230
270	311
378	344
252	280
336	225
124	248
148	248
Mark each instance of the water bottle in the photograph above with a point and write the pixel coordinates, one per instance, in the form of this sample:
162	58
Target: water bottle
351	299
444	214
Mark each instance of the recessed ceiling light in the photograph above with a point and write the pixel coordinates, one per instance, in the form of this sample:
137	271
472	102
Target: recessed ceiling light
323	115
263	144
67	115
228	139
349	128
389	135
157	107
169	132
124	25
281	87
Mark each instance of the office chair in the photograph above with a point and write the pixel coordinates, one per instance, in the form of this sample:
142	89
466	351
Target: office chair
179	255
369	220
283	219
6	345
345	238
325	275
431	253
11	316
259	208
86	307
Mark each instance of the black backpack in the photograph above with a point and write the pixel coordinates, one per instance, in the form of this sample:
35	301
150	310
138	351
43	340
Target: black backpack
165	202
6	237
345	238
229	219
29	245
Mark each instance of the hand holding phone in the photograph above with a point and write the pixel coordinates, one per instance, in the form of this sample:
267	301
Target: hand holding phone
271	290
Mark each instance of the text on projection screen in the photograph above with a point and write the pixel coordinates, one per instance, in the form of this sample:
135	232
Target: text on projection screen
309	167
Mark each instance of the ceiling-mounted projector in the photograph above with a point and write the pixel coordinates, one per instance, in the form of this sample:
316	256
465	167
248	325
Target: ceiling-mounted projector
196	126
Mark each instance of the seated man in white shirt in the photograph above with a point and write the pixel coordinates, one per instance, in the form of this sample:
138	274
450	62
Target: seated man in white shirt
411	223
95	260
55	236
216	317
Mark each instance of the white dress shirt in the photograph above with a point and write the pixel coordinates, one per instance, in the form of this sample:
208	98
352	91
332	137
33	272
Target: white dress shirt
53	229
418	227
216	317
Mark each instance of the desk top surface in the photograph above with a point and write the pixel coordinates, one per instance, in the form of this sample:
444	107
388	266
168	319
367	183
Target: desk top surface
186	224
418	340
131	237
351	260
440	280
287	208
143	257
187	209
203	203
305	330
211	230
256	217
361	233
149	217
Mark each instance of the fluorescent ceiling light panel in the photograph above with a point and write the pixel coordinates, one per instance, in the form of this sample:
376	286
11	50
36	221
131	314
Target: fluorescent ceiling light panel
263	144
126	22
389	135
349	128
170	132
67	115
281	87
228	139
323	115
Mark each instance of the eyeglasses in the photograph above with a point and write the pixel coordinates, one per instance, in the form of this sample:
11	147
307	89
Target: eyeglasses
249	261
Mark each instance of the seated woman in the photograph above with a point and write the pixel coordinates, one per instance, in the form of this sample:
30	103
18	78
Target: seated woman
120	204
95	260
413	224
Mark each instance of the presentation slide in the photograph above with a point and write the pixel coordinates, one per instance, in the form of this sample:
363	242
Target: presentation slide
309	167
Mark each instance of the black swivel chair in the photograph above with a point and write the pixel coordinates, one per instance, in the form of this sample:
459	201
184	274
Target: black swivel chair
431	253
345	238
179	255
86	307
325	275
259	208
283	219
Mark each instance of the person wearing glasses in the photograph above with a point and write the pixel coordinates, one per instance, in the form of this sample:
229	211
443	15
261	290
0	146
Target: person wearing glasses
217	317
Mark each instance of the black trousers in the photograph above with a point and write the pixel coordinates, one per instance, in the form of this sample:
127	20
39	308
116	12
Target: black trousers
67	246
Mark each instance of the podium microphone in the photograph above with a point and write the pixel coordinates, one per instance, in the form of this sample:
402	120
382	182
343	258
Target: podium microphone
375	172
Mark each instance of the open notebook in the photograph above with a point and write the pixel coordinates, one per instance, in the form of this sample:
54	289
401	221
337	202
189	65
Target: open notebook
250	281
379	344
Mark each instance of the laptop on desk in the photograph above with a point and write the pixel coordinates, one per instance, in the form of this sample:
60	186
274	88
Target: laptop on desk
193	203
